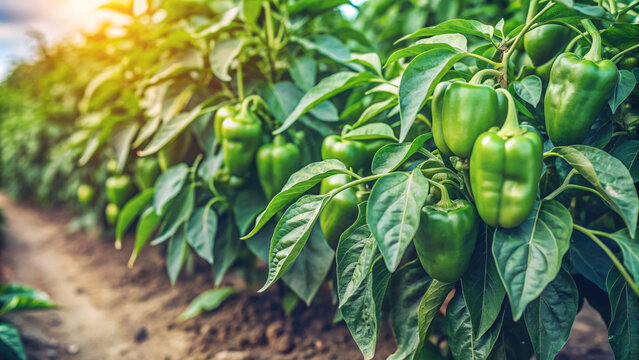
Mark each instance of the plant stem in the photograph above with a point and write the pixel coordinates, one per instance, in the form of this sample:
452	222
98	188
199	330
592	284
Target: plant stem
595	49
611	255
622	53
444	198
627	8
562	187
613	6
240	80
479	76
532	10
484	59
361	180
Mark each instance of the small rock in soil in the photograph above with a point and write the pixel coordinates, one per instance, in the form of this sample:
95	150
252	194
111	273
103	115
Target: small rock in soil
73	349
277	338
256	336
319	346
141	334
232	355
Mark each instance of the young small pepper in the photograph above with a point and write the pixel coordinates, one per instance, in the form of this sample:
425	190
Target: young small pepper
276	162
341	211
577	91
147	170
504	171
119	189
544	42
241	135
446	237
352	153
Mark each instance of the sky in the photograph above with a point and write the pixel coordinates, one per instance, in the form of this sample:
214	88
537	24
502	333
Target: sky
55	19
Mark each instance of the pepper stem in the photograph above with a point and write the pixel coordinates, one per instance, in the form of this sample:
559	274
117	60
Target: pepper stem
444	199
511	126
595	49
279	140
479	76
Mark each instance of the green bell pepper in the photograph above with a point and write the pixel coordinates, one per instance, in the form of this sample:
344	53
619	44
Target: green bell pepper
544	42
341	211
577	91
147	170
111	213
352	153
226	111
446	237
85	194
505	168
119	189
276	162
241	136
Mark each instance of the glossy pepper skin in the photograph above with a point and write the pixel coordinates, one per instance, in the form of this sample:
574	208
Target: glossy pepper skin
341	211
147	170
276	162
351	152
544	42
462	111
119	189
505	168
111	213
577	91
241	136
226	111
446	237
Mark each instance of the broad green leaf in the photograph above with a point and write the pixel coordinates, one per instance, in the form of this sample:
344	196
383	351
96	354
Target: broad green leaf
481	285
149	221
91	147
291	234
207	301
176	254
130	211
529	89
177	214
222	55
100	84
201	231
625	85
303	71
123	134
407	286
589	259
183	62
168	186
628	152
10	344
327	45
170	130
621	35
456	26
419	80
608	176
431	303
390	157
251	10
226	248
370	132
549	318
362	311
247	206
225	20
325	89
529	256
630	251
147	130
393	212
459	328
623	331
374	110
21	298
453	42
369	60
300	182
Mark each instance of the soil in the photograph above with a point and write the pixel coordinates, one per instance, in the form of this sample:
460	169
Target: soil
108	311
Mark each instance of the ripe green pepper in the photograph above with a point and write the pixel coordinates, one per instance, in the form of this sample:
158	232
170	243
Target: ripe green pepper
221	114
446	237
372	146
241	136
504	171
577	91
175	151
544	42
276	162
462	111
119	189
341	211
629	63
85	194
111	213
147	170
351	152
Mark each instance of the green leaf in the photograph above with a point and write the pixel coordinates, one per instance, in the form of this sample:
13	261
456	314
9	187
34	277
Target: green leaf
168	186
628	152
170	129
225	20
453	42
291	234
623	331
456	26
529	256
462	341
589	259
369	60
300	182
390	157
247	206
226	248
149	221
431	303
123	134
549	318
251	10
529	89
393	212
177	214
374	110
222	55
21	298
201	231
181	63
308	272
481	285
362	311
314	6
407	286
629	250
327	45
625	85
10	344
131	210
303	71
608	176
206	301
419	80
176	254
324	90
370	132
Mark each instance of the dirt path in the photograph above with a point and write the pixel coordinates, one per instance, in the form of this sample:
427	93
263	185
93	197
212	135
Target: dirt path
108	311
